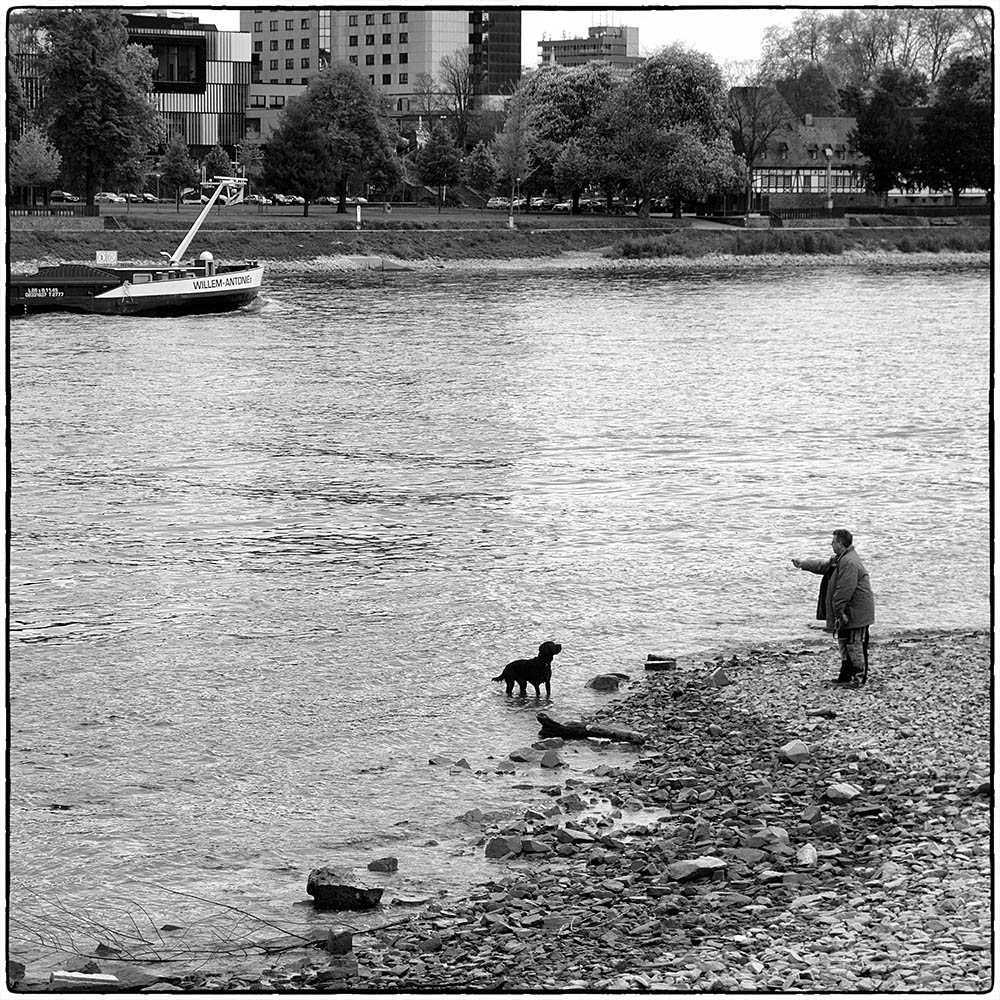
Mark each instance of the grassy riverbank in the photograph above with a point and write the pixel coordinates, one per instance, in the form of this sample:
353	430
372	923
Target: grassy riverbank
863	867
421	236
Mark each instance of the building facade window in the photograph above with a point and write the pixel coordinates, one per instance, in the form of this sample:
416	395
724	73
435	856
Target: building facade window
369	39
387	39
258	101
403	17
273	45
272	25
352	21
304	64
289	64
386	58
289	43
370	59
404	77
386	79
369	18
404	58
274	64
258	46
352	40
404	37
353	60
303	43
387	18
289	24
304	24
277	102
258	26
371	80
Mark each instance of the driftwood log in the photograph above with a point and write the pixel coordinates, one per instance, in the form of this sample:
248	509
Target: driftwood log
574	730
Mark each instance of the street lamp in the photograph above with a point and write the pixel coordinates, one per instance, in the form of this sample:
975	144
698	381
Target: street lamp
828	153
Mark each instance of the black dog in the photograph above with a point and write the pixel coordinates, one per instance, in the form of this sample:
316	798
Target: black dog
536	671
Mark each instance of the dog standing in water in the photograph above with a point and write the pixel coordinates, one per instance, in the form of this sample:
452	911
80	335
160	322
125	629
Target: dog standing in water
536	671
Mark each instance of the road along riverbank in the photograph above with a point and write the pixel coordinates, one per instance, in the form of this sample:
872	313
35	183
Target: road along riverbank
771	833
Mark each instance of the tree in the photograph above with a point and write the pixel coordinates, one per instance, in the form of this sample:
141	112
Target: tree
426	95
460	82
480	168
956	138
809	92
511	147
886	136
561	104
33	162
129	175
438	163
355	120
217	163
298	158
96	90
673	106
250	158
757	112
177	169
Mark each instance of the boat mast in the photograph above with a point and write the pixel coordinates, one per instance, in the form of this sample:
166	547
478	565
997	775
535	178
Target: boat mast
222	182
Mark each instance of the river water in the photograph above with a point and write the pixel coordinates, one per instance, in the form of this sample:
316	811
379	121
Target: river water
263	565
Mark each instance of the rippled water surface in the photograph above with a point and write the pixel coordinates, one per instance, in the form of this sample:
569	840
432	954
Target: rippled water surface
263	565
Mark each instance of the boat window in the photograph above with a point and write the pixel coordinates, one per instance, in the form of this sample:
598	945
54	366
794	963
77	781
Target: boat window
141	279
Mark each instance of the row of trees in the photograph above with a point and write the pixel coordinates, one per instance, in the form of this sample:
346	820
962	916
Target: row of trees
675	128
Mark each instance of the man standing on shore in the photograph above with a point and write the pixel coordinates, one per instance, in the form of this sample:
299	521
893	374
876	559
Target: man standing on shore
847	602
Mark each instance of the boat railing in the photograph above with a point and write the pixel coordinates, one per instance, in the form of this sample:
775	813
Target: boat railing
82	211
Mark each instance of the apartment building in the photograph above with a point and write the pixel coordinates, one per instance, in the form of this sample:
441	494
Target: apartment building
618	46
392	47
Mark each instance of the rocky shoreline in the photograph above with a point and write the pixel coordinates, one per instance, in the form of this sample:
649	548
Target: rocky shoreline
772	833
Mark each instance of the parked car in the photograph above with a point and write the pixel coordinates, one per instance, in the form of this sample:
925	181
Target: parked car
295	199
519	203
258	199
328	199
357	200
131	196
563	206
497	202
109	197
149	198
63	196
543	204
281	199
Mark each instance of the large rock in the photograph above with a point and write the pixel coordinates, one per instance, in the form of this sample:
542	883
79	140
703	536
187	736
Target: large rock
605	682
504	847
384	865
794	751
341	889
841	791
703	867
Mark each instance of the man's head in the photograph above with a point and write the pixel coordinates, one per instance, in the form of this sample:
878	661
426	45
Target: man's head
842	541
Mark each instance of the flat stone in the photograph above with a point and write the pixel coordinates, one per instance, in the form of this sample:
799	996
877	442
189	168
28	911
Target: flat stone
703	867
340	889
795	752
841	791
384	865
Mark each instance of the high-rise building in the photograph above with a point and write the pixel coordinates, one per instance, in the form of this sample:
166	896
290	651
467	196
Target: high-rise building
616	45
392	47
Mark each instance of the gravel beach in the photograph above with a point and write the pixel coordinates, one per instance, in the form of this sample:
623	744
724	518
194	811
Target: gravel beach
722	855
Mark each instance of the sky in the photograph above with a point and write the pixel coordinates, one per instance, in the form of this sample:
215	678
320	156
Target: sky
725	32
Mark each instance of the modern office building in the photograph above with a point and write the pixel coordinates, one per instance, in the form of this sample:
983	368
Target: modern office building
201	85
202	82
393	47
618	46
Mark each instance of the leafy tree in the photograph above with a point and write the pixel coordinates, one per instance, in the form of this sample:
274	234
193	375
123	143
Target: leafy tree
809	92
298	158
907	86
129	175
956	139
217	163
511	146
561	105
438	163
886	136
460	81
33	162
480	168
355	120
17	106
672	104
177	169
96	90
426	96
756	111
250	158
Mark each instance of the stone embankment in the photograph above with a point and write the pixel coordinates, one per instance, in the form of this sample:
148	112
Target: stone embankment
772	833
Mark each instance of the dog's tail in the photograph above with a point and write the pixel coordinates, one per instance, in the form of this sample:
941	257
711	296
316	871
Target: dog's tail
500	677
